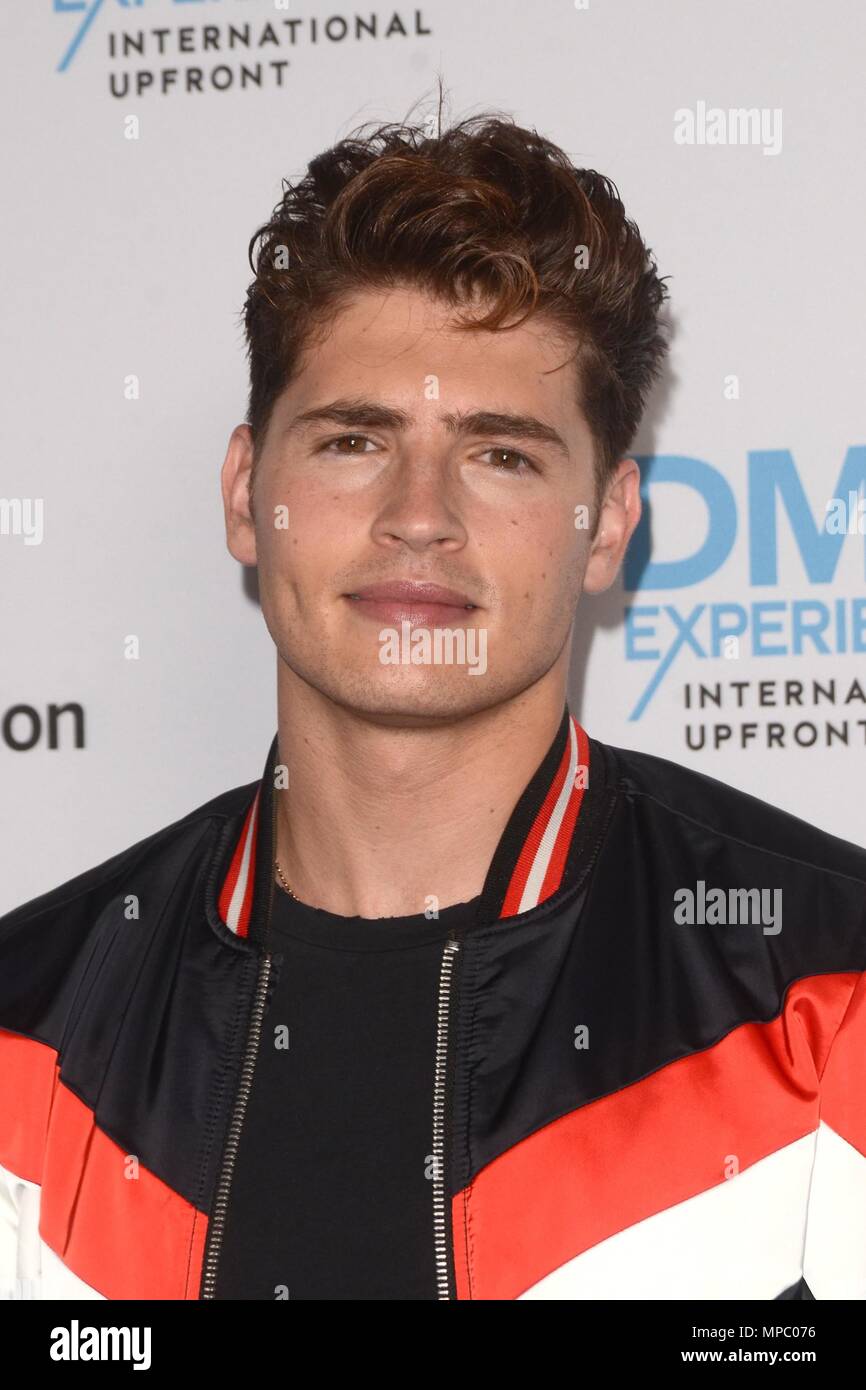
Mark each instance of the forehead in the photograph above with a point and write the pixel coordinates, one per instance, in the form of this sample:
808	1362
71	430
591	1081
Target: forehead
396	340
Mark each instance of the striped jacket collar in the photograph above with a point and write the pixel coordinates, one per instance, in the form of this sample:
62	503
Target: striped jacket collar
547	844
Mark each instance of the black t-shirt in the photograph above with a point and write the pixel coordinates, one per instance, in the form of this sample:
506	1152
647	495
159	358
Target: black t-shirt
331	1196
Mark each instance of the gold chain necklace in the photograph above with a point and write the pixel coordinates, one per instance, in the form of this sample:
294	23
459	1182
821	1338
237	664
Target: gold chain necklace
282	878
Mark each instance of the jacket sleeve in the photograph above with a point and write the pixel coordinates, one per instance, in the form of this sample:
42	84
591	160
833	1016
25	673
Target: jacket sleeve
8	1234
834	1261
45	946
26	1070
19	1237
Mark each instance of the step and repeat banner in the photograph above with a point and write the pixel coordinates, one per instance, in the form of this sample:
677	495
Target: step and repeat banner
143	143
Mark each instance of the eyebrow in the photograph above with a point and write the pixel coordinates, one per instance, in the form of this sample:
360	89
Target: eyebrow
359	414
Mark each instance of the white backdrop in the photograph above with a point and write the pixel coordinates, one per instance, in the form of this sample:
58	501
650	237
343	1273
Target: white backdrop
127	258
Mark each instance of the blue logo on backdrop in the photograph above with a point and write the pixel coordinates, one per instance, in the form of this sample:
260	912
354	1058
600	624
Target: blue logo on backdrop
88	10
773	627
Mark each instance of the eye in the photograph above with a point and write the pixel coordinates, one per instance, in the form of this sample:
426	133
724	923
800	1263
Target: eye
499	450
350	438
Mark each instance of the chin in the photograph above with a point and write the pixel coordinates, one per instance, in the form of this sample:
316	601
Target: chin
413	701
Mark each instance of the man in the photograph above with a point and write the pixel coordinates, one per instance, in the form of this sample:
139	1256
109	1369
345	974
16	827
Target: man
455	1001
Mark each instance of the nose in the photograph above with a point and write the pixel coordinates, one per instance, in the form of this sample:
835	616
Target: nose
421	508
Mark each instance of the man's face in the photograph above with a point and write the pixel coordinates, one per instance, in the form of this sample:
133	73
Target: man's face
398	477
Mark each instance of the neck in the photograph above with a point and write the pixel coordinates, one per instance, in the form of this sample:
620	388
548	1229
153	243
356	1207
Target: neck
378	819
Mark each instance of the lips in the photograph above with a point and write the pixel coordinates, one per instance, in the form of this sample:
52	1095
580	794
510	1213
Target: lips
404	601
412	594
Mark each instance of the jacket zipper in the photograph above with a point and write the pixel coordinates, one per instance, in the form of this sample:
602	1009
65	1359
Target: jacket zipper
217	1224
442	1232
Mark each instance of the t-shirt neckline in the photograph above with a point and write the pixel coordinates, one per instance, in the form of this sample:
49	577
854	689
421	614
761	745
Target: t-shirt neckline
292	918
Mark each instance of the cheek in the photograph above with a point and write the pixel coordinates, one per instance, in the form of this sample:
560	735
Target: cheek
542	569
298	530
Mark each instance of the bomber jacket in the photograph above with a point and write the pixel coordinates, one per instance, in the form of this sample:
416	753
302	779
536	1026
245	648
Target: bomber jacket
650	1076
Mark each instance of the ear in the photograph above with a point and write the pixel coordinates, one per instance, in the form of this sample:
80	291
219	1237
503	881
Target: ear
236	483
620	514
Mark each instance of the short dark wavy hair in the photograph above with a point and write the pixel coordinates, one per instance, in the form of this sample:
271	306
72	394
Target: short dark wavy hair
483	206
